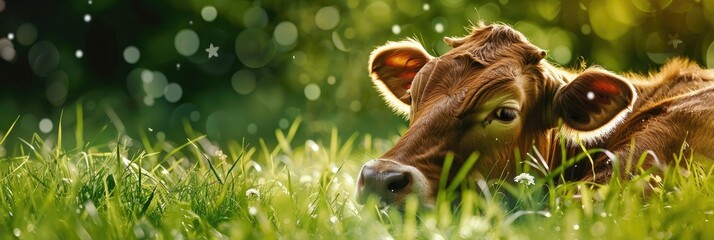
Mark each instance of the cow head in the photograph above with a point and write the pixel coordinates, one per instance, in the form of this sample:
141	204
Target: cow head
490	94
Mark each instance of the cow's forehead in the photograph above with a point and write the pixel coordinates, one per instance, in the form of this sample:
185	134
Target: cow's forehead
491	44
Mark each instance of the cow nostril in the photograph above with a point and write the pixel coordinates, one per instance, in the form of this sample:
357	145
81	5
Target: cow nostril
398	183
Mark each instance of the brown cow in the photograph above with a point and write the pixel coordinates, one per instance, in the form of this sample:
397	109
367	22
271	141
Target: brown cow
493	93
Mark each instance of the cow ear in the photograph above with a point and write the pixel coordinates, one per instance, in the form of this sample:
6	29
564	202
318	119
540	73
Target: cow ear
593	104
393	68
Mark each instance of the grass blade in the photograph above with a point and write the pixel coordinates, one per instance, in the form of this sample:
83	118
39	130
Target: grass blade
9	130
147	203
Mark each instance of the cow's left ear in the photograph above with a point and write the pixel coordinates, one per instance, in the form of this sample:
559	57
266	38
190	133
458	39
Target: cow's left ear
593	104
393	68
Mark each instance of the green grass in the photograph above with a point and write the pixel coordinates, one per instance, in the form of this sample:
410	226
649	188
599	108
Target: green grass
150	188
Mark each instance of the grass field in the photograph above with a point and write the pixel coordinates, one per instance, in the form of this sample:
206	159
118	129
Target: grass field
147	188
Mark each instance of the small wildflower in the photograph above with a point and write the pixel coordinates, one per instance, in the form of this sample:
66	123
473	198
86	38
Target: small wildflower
252	193
219	154
525	178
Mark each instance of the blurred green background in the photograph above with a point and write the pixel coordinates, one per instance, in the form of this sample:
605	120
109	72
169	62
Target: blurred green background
141	67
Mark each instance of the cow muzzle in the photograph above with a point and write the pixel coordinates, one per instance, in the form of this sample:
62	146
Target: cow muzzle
390	182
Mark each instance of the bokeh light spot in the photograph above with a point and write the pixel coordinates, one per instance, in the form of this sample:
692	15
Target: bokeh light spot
194	116
46	125
173	92
147	76
710	56
10	36
339	44
608	28
396	29
286	33
490	11
350	33
255	17
331	80
156	86
44	58
283	123
209	13
87	18
254	48
327	18
186	42
378	12
57	88
439	27
131	54
585	29
79	53
562	54
7	50
355	106
312	92
243	82
26	34
425	7
252	128
149	101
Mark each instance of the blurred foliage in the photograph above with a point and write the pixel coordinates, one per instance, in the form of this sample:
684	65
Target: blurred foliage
141	67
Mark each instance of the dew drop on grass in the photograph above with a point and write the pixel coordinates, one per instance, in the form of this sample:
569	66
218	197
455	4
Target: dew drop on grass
17	232
576	226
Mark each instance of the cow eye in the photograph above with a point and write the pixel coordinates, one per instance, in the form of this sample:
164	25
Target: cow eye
506	114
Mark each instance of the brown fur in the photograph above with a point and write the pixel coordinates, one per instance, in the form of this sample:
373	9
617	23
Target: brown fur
449	111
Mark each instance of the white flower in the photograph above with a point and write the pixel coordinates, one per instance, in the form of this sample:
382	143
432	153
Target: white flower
252	193
219	154
525	178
